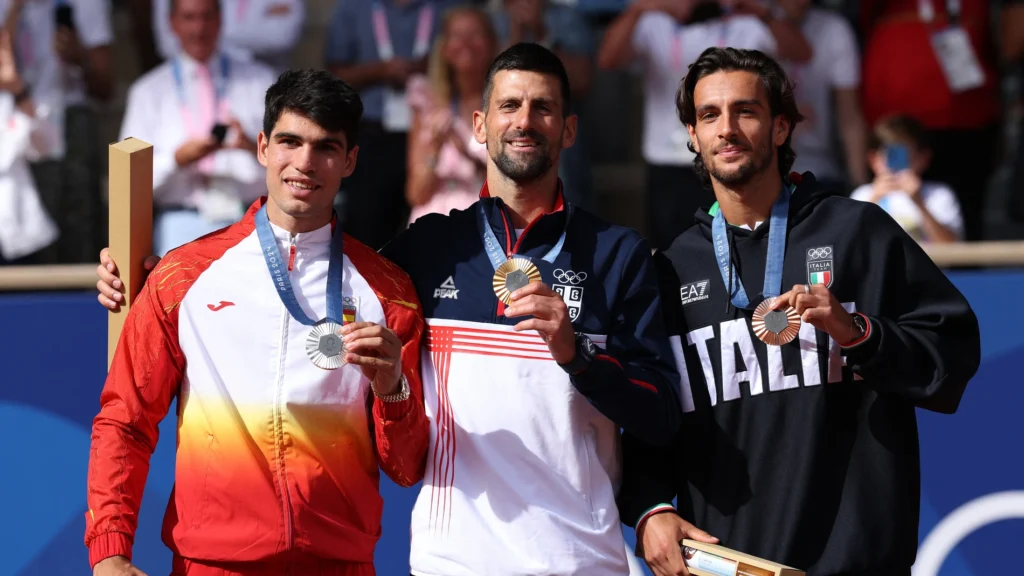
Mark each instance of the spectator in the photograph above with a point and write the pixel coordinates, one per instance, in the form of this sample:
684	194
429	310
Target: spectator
25	227
565	32
903	74
446	163
899	155
200	183
828	96
63	67
663	35
265	30
1012	44
376	46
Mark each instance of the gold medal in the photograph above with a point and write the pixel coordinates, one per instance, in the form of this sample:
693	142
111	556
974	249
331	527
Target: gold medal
512	275
775	327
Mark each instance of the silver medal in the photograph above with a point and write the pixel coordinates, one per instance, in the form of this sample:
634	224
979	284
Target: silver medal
324	345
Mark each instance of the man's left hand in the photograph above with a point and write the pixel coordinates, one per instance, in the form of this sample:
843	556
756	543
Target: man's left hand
818	307
378	353
69	47
550	318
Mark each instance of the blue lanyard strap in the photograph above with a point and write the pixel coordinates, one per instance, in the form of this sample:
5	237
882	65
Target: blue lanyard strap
776	252
279	272
221	86
495	253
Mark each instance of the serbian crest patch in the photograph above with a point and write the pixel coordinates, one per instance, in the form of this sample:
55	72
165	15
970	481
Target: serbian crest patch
819	266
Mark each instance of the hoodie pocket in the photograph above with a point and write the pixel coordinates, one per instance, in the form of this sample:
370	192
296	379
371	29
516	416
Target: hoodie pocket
587	483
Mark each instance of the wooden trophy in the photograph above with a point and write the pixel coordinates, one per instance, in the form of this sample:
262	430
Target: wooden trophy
131	224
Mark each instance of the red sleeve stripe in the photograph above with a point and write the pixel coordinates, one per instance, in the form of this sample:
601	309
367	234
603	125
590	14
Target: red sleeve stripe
867	333
607	358
644	384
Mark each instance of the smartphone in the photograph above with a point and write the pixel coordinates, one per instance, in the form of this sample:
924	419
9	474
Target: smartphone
897	157
219	132
64	15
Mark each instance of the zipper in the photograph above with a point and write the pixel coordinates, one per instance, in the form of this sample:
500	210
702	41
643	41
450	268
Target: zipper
279	447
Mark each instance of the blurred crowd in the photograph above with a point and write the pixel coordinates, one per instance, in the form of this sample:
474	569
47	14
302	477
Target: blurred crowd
911	104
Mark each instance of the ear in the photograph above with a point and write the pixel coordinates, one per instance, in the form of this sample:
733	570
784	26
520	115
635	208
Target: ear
261	148
782	128
479	127
569	133
350	161
693	138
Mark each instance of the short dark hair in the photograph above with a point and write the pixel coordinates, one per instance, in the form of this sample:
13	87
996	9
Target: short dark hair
899	129
781	100
530	57
318	95
172	5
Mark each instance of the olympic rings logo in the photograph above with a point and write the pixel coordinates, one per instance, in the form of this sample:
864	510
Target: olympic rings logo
816	253
570	277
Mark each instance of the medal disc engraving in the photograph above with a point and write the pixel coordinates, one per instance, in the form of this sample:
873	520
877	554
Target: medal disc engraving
775	327
513	274
324	345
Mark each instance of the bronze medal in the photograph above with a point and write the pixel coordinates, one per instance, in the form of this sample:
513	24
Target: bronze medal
775	327
513	274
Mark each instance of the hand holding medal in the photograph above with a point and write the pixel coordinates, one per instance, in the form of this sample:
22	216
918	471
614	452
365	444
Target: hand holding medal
817	306
378	353
550	318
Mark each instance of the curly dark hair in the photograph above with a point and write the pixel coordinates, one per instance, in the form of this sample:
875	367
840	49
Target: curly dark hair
781	100
318	95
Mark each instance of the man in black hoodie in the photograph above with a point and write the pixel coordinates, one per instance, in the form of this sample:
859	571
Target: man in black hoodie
799	441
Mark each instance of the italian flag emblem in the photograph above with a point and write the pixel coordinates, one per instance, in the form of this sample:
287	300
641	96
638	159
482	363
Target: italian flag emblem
821	277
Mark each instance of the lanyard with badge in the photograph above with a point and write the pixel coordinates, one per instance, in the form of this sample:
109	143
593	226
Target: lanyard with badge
680	137
219	201
773	327
953	48
324	344
396	116
512	272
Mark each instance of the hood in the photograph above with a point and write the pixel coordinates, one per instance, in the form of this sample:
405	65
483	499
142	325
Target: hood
806	195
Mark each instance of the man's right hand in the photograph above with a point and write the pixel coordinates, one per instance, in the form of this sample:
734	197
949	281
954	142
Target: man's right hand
116	566
195	150
109	285
660	537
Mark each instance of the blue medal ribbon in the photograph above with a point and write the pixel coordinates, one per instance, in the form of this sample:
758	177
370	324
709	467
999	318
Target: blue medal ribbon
279	272
221	86
776	252
497	255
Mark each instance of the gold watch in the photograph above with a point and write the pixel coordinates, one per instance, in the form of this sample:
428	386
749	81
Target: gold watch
402	394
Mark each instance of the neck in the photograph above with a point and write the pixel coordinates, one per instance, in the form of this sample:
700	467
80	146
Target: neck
751	202
298	224
525	201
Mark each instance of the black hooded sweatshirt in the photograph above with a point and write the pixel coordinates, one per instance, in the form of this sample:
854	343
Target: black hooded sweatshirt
806	454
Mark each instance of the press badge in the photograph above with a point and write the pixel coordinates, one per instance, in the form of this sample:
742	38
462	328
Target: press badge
957	58
396	116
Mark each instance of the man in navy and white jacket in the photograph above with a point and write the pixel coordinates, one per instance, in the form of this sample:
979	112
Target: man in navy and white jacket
526	401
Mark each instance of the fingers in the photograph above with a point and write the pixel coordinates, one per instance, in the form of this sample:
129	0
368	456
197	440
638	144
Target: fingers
538	308
545	327
107	296
385	364
694	533
150	262
107	261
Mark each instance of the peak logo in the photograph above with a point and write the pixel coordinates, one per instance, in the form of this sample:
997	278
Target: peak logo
447	290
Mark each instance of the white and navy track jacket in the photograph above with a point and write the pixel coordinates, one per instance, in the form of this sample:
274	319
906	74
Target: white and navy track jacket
524	461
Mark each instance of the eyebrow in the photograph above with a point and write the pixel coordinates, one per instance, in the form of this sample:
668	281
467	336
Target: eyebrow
748	102
290	135
546	101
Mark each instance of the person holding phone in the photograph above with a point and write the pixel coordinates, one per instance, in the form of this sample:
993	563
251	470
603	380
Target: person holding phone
899	154
201	110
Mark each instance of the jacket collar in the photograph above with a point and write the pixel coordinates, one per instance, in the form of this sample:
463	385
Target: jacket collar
542	232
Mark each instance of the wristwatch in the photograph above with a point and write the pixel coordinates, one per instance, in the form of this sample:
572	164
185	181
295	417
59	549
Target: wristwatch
586	350
860	322
402	394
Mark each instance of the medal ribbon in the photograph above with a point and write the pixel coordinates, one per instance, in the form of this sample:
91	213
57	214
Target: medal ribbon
776	252
382	36
278	271
494	251
221	88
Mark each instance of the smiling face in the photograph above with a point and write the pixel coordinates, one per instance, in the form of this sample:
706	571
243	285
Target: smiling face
305	166
734	131
468	46
523	124
196	23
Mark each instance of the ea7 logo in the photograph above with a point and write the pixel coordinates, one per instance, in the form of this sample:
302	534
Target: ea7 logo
819	266
447	290
694	292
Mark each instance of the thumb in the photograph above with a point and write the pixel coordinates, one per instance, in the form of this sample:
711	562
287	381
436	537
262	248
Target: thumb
699	535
